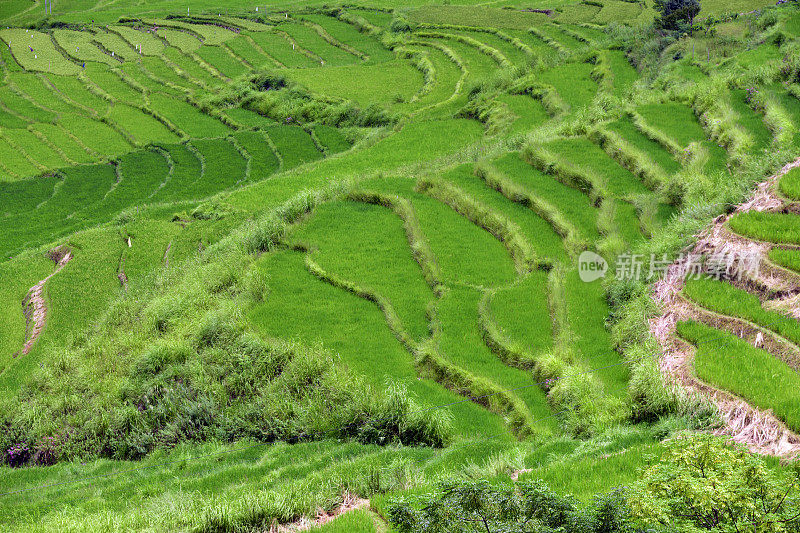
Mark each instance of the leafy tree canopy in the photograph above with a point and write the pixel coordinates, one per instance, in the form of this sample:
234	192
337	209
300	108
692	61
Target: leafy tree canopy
677	15
704	483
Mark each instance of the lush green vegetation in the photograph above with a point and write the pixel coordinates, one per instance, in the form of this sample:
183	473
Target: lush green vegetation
790	184
727	300
734	365
786	258
771	227
257	263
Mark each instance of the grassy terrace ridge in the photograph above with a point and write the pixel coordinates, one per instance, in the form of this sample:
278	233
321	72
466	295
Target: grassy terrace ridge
305	264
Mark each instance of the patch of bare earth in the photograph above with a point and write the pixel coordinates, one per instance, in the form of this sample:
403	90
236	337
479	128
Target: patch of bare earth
121	275
350	502
759	430
34	306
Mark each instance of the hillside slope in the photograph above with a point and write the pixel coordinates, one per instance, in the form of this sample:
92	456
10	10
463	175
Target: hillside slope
260	268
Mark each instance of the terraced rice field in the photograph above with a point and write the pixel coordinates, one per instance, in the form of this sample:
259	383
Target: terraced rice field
746	335
240	227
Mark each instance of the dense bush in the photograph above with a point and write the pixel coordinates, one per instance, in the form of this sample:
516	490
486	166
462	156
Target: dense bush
400	25
644	45
697	483
398	419
479	506
704	483
220	383
677	15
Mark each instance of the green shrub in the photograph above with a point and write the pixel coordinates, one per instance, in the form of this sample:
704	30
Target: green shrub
400	25
262	235
705	483
398	419
480	506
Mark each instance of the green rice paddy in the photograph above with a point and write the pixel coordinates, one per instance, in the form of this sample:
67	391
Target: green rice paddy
333	212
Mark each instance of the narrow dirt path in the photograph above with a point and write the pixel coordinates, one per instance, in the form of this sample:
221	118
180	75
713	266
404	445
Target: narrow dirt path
34	306
121	275
760	430
165	258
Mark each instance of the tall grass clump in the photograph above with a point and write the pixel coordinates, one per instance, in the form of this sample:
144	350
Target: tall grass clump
574	388
711	103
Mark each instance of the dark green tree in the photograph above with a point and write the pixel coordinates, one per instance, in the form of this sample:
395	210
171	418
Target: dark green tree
677	15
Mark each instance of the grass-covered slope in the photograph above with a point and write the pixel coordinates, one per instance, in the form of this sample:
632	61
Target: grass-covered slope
256	264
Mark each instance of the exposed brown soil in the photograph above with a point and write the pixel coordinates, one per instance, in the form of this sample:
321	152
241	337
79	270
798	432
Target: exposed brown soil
789	305
765	198
34	306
